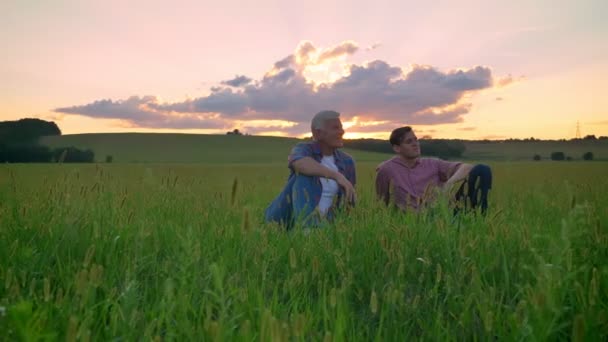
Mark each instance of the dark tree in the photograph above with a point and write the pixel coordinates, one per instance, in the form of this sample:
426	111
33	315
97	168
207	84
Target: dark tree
434	147
446	149
73	155
26	130
588	156
537	157
558	156
24	153
234	132
19	144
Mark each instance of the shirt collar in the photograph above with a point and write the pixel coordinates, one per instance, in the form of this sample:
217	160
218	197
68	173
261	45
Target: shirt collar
316	149
401	162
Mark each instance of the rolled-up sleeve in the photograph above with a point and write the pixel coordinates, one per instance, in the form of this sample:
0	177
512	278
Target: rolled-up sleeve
298	152
446	169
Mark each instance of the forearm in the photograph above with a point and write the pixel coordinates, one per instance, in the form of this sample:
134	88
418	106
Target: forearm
461	173
310	167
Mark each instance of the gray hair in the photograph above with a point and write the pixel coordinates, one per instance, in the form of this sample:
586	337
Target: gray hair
319	119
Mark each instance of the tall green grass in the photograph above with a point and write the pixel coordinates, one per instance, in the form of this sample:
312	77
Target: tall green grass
179	252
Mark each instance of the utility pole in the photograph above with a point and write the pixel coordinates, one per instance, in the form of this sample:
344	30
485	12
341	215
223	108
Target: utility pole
578	131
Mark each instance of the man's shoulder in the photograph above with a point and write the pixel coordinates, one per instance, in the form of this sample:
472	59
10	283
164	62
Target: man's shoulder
306	147
386	165
302	150
304	144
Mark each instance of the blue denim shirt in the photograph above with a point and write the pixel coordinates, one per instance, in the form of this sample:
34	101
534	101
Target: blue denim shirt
300	197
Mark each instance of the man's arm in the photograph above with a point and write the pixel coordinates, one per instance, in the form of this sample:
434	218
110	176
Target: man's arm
310	167
459	174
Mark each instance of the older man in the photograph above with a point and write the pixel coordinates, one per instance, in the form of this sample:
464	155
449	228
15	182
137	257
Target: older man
321	178
409	181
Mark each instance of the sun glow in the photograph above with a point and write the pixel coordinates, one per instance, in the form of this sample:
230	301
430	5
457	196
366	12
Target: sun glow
358	121
365	135
326	72
265	123
272	133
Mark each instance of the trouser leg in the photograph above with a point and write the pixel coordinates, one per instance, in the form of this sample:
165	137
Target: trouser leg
473	192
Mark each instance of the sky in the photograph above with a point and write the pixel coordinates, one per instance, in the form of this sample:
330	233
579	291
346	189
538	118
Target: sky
450	69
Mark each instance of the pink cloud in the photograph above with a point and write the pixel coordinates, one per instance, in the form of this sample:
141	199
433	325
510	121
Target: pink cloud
420	95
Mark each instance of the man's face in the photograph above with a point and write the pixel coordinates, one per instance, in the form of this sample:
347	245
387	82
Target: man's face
331	133
409	147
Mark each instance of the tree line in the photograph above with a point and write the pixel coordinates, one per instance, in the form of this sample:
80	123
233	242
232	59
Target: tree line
562	156
442	148
19	143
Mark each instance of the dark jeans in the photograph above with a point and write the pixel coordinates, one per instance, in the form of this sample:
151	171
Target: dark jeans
473	193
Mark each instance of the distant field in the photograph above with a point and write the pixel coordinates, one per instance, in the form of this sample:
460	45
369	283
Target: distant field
217	149
189	148
526	150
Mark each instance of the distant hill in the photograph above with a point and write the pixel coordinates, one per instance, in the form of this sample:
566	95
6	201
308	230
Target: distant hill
504	150
201	148
525	150
188	148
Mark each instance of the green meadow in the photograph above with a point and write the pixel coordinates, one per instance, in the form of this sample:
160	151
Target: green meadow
177	250
188	148
198	148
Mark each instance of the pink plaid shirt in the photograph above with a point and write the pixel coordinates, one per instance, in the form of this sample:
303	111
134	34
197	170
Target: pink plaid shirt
411	187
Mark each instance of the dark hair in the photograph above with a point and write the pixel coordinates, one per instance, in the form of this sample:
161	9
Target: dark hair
398	134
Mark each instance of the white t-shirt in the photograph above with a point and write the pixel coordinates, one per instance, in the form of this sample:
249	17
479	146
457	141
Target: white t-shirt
330	186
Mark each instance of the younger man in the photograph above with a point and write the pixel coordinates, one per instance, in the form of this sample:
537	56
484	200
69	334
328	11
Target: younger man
413	181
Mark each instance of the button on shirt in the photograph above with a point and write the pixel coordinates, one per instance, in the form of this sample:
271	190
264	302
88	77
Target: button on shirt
412	186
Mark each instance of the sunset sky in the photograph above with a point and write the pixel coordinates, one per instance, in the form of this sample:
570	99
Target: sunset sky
451	69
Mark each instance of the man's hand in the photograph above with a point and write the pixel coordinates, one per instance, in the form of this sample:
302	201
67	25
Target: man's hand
311	167
349	189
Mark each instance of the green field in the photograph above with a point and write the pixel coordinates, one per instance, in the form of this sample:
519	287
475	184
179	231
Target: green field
218	149
179	252
188	148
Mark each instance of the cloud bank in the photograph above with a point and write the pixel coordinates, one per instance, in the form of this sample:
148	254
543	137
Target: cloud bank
286	97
